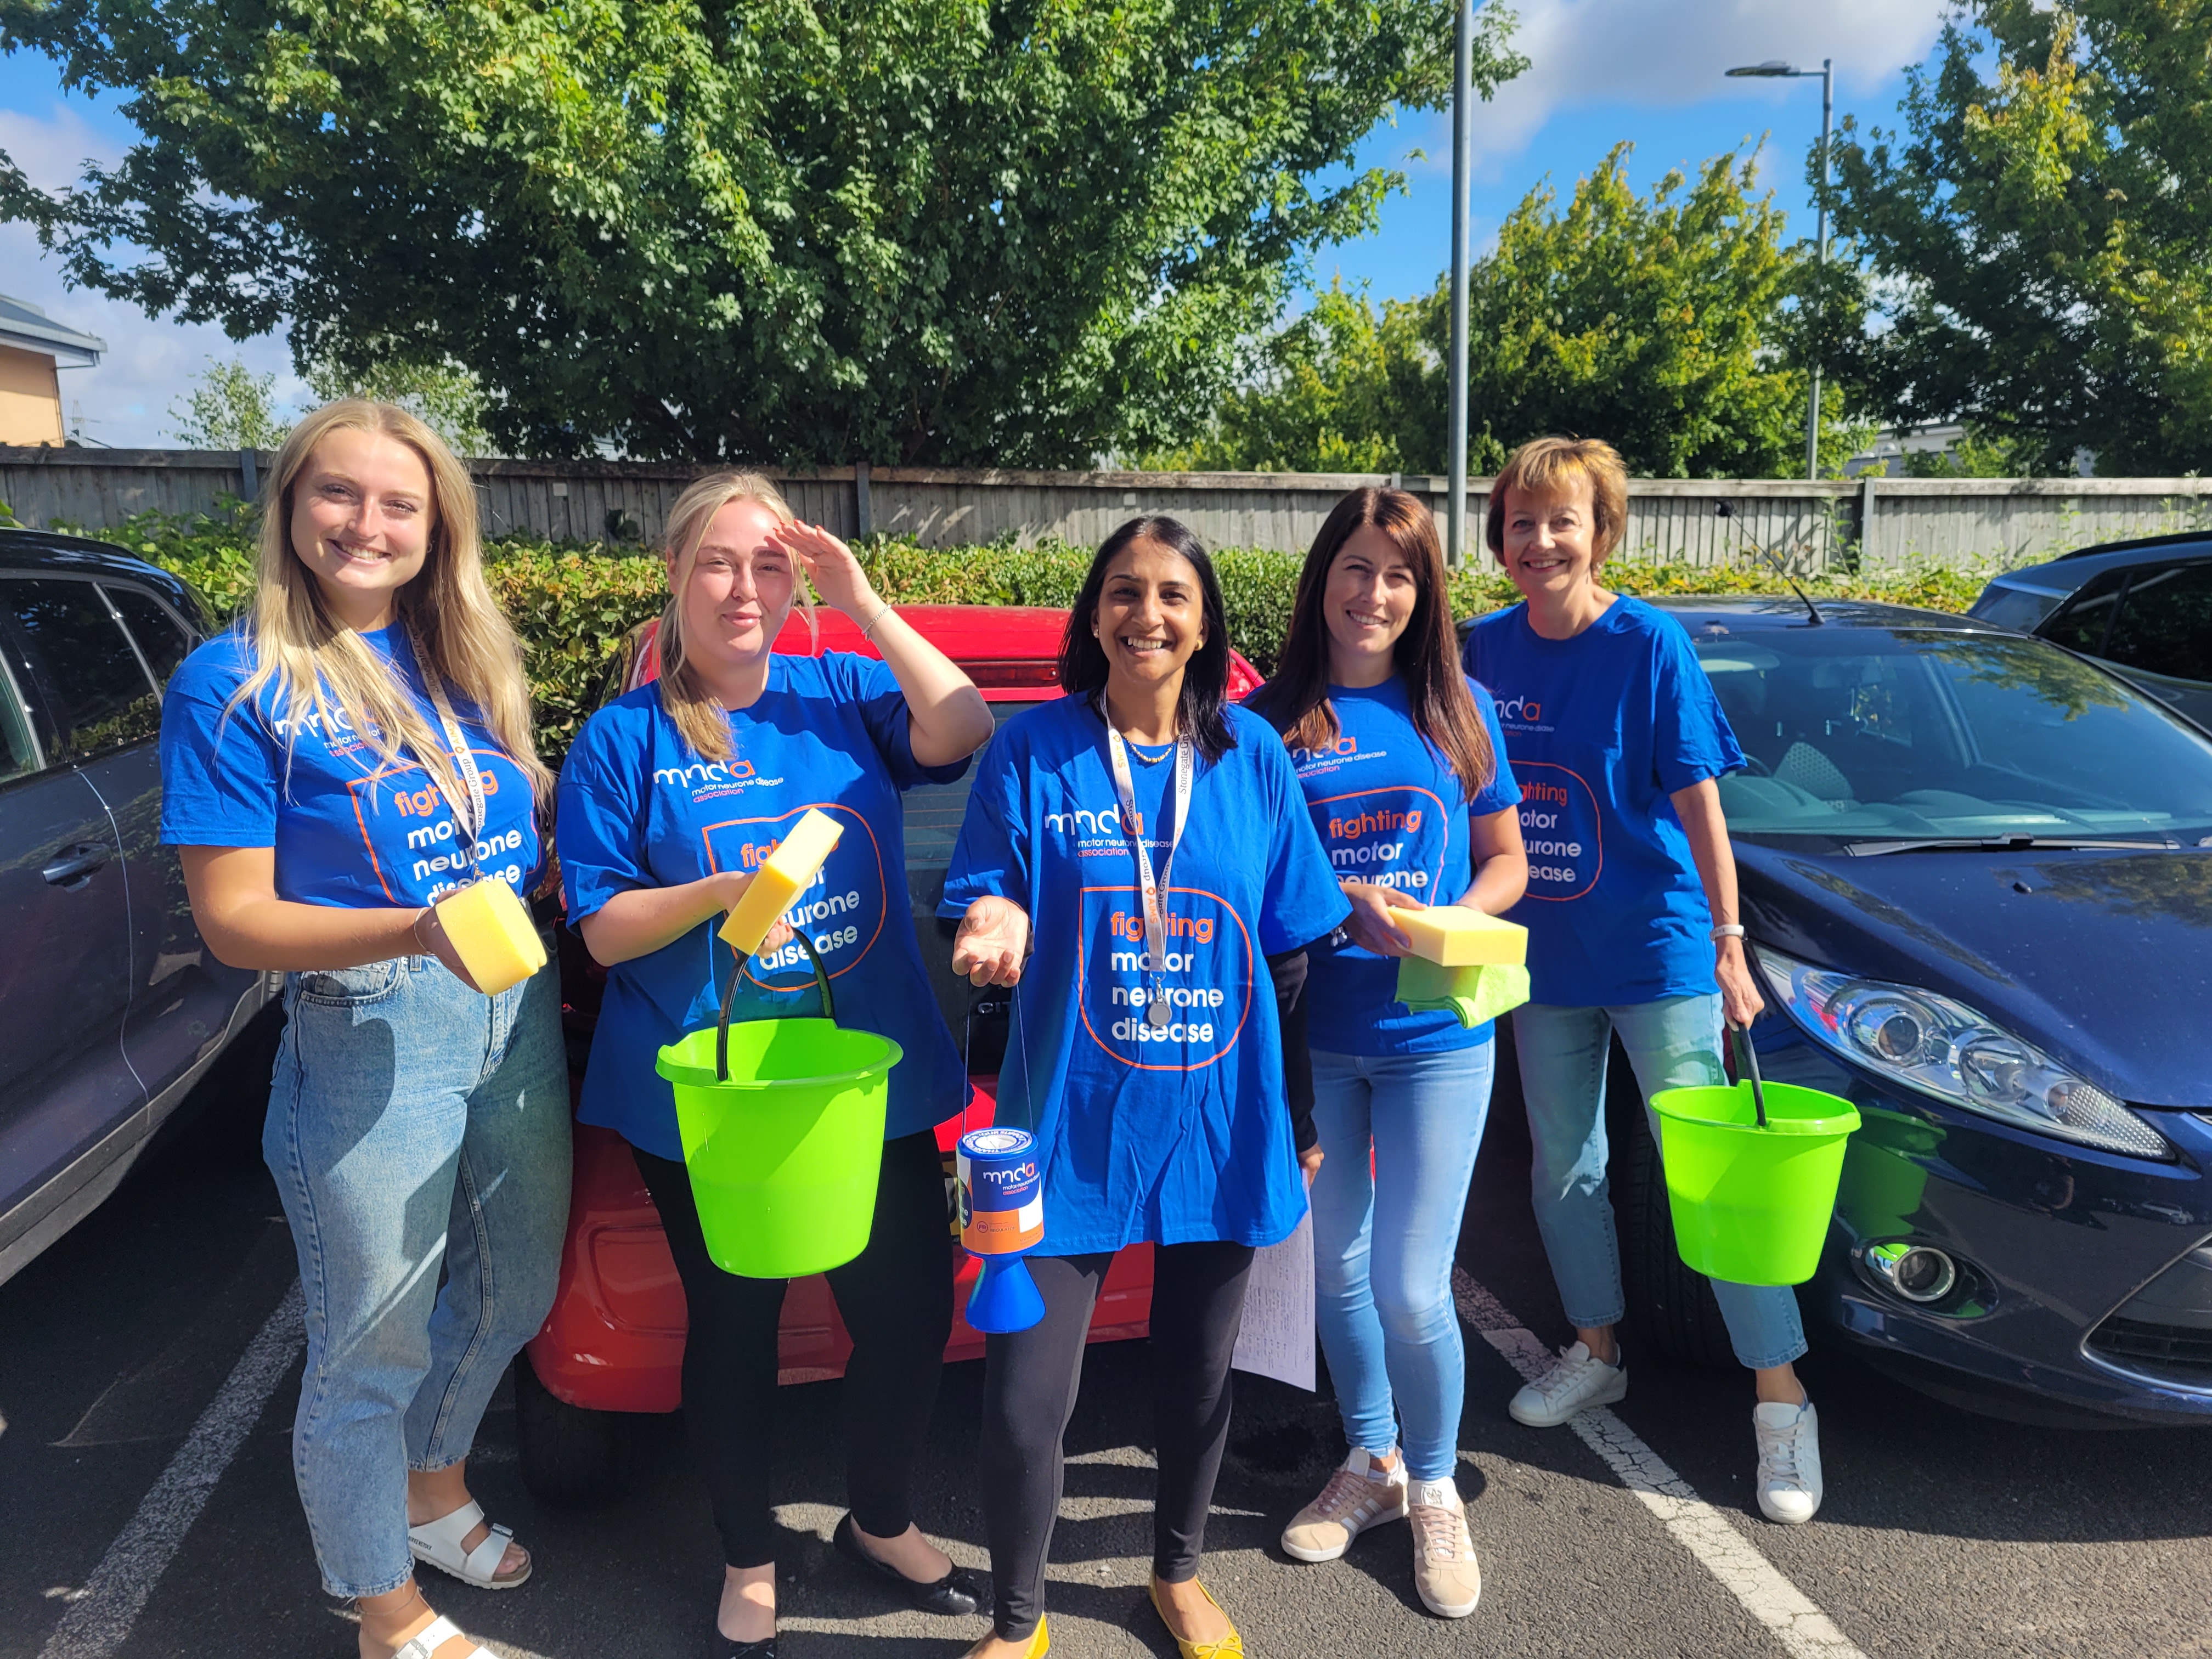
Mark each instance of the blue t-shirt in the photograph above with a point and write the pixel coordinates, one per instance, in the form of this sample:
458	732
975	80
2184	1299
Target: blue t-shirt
348	829
638	808
1602	729
1389	810
1183	1134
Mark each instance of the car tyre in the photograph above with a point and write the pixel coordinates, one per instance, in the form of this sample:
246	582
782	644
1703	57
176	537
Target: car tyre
569	1455
1671	1307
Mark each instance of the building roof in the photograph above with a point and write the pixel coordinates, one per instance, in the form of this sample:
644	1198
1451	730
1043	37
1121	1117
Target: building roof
27	328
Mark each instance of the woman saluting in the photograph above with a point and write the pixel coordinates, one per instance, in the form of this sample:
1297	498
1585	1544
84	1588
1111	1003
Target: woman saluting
671	794
1154	841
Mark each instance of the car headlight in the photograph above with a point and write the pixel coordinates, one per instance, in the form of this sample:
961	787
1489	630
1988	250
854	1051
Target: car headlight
1946	1049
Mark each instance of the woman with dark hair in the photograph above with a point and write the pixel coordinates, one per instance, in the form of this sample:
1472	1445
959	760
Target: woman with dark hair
1148	842
1404	771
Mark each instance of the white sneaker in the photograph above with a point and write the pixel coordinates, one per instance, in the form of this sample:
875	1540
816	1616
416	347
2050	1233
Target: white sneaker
1789	1462
1357	1495
1579	1379
1445	1571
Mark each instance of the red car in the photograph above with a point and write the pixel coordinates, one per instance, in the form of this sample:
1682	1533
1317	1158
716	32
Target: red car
614	1342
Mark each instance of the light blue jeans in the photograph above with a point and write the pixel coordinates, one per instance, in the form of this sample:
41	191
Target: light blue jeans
414	1124
1672	1043
1384	1298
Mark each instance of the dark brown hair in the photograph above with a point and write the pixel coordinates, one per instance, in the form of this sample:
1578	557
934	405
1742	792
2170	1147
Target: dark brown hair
1295	699
1205	677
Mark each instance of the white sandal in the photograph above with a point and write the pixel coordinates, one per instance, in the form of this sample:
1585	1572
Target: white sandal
442	1630
439	1543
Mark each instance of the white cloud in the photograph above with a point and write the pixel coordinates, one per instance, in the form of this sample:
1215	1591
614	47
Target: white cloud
1636	52
150	361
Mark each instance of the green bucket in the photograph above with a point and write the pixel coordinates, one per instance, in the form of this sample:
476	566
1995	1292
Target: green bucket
782	1126
1751	1173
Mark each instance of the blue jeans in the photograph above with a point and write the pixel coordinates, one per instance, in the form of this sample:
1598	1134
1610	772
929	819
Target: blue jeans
413	1125
1383	1293
1673	1043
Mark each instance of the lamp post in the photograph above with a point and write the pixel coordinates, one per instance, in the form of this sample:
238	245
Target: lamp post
1463	154
1775	70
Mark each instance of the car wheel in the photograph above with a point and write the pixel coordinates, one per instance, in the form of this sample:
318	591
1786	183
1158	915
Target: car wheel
569	1455
1671	1308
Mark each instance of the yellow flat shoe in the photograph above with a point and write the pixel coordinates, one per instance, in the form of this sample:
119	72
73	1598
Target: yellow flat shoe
1040	1645
1230	1646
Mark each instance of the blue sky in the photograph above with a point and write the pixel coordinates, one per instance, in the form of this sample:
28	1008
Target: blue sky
1649	71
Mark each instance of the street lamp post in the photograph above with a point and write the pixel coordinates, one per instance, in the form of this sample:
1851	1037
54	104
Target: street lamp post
1462	155
1776	68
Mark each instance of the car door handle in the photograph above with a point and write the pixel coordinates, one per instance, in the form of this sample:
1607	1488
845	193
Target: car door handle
76	865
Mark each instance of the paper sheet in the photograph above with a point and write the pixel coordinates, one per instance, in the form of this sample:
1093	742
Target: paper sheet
1277	1337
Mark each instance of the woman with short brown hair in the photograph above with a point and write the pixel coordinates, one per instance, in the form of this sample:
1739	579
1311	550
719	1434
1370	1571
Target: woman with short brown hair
1618	740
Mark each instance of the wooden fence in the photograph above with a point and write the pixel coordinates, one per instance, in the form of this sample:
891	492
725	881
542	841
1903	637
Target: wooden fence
1860	523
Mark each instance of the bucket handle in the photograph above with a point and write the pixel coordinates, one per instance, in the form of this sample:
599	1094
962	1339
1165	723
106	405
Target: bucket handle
737	973
1747	1063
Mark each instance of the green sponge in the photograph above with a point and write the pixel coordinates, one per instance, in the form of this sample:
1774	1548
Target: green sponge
1475	995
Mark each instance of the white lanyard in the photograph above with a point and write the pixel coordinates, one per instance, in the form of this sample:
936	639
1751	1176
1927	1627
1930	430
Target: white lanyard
465	761
1156	922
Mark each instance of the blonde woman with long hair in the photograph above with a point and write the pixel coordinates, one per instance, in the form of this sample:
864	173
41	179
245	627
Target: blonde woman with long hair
671	794
355	749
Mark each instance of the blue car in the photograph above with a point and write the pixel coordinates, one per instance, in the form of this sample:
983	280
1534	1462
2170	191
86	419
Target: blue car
2142	608
1977	875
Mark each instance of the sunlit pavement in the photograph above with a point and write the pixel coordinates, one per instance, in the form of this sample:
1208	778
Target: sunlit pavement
146	1382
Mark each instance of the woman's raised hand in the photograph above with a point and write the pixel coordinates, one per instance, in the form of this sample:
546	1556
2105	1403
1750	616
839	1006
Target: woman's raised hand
833	568
992	941
1369	923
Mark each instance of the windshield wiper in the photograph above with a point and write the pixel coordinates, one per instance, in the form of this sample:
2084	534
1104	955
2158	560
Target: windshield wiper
1867	850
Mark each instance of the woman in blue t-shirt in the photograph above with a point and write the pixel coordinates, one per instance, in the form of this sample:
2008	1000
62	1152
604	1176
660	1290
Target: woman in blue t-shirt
1617	739
1404	772
357	749
671	795
1149	841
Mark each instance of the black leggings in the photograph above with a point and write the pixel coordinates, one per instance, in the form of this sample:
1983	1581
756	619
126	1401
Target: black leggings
1030	1383
897	1300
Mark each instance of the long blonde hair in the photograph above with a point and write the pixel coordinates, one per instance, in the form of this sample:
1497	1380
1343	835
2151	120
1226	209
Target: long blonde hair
698	713
460	634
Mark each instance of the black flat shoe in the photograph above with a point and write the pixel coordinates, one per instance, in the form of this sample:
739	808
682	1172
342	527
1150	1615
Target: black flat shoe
763	1649
960	1591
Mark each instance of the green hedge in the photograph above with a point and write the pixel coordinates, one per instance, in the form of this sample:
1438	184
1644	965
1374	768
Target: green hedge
572	603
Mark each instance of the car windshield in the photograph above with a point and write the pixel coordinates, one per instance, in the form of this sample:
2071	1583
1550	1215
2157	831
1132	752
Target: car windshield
1872	734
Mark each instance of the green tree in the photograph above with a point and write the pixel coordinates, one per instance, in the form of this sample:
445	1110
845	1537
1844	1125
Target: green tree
1666	324
1663	323
447	398
230	407
1978	454
2042	235
1006	231
1343	388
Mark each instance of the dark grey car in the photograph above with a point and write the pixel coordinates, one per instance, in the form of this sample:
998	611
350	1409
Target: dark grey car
110	1007
2142	608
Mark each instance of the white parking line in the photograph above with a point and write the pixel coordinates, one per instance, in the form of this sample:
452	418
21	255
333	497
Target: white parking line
1801	1627
101	1617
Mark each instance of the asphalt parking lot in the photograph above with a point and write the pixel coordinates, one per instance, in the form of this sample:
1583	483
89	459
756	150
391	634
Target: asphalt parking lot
148	1365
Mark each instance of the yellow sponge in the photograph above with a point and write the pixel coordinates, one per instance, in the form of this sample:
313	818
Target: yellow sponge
786	874
492	934
1454	936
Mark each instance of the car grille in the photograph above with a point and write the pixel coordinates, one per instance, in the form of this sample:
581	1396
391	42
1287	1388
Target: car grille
2164	1332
